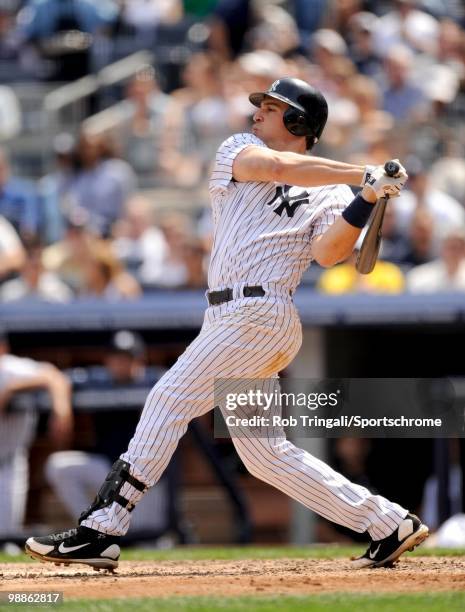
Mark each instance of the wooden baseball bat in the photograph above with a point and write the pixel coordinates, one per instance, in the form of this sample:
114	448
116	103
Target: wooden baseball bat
369	250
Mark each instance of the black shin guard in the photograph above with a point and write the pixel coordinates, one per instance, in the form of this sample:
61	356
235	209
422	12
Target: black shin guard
110	490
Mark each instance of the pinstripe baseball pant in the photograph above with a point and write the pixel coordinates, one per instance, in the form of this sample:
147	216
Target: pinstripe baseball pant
247	338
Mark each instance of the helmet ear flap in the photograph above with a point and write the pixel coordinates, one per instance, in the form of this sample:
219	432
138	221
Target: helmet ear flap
296	122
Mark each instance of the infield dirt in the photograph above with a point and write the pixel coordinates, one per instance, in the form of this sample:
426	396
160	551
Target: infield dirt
233	578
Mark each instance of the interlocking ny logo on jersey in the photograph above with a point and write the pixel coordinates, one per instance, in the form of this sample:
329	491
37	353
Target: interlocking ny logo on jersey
288	199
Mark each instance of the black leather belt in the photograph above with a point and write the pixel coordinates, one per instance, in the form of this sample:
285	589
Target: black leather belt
226	295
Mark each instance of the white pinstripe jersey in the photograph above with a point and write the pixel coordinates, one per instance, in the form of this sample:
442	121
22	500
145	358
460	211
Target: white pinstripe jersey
263	231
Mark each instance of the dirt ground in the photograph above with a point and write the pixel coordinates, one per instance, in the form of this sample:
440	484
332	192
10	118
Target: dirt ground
231	578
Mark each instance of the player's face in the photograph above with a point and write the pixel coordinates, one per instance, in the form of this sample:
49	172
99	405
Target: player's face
268	122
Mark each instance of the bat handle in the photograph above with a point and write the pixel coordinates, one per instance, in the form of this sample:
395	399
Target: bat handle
391	168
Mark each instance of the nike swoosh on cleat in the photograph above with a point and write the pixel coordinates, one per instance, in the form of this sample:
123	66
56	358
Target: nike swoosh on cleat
64	549
373	555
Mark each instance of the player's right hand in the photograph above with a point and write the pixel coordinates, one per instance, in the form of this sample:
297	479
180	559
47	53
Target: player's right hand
381	185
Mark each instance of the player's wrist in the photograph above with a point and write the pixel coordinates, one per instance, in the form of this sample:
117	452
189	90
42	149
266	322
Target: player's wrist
368	194
358	212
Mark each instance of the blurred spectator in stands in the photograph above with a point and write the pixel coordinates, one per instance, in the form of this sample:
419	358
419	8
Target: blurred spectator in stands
276	30
406	24
455	10
184	259
8	36
138	243
447	273
176	229
105	278
326	44
203	124
394	245
343	130
361	37
101	182
327	48
442	77
17	428
441	87
339	13
146	121
63	31
422	239
447	174
195	258
76	475
380	145
182	264
145	102
53	188
67	256
10	113
229	23
451	41
34	282
421	195
308	21
372	122
143	16
401	98
87	263
344	278
258	69
18	201
12	253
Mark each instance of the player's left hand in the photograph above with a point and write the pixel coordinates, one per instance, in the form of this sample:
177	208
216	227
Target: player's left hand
380	185
370	169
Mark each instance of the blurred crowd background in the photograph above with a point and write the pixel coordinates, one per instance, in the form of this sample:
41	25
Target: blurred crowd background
110	115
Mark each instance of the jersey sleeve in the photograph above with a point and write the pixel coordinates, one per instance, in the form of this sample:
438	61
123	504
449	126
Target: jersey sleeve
9	239
336	201
221	175
15	368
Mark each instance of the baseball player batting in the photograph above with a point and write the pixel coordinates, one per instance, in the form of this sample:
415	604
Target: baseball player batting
274	210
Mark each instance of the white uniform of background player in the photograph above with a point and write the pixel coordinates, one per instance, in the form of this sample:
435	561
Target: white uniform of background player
16	432
17	429
262	236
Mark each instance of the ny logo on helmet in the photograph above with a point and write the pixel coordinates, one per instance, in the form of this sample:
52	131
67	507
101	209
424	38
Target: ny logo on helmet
275	85
287	201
